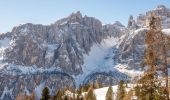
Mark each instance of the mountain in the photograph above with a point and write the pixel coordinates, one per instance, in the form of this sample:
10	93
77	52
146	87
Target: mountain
72	51
131	51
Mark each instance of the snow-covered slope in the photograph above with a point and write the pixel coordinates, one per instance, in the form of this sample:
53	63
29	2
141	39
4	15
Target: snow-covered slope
101	92
99	59
100	55
166	31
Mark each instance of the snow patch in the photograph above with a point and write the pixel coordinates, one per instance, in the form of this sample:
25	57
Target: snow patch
134	33
101	93
99	58
96	56
166	31
50	50
4	43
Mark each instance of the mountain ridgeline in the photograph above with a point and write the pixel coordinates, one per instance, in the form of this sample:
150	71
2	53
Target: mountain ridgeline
64	53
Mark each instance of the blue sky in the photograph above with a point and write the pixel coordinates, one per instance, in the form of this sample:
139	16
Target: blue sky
15	12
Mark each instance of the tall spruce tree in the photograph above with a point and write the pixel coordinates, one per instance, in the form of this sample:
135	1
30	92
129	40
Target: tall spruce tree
109	94
150	88
137	91
45	94
121	91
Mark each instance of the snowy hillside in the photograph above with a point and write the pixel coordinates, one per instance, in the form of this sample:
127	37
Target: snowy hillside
101	92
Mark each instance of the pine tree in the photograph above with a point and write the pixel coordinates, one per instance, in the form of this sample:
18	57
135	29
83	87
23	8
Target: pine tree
143	92
90	95
159	94
109	94
45	94
120	91
137	91
148	80
151	88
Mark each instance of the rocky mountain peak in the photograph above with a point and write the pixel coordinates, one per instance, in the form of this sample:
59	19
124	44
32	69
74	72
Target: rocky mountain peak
132	23
117	23
76	15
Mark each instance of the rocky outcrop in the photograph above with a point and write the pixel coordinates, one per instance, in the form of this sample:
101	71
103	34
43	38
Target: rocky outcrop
131	50
131	23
